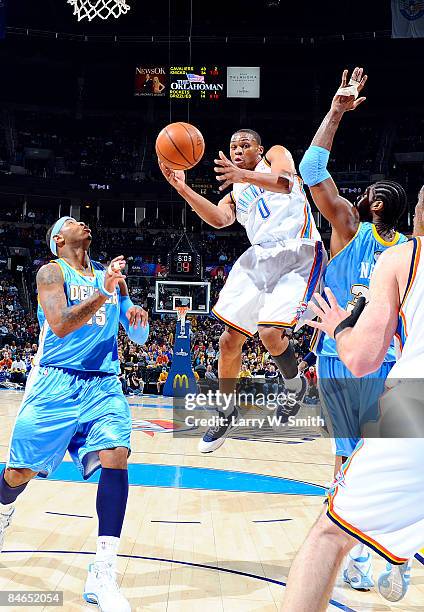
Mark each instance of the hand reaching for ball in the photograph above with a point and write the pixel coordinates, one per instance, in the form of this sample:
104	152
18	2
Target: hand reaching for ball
176	178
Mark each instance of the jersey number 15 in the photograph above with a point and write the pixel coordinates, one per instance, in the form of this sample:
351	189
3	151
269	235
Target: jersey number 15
99	318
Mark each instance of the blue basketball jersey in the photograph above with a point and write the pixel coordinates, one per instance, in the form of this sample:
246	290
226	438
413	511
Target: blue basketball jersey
94	346
348	276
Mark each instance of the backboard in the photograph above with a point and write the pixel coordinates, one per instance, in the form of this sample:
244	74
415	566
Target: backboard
170	294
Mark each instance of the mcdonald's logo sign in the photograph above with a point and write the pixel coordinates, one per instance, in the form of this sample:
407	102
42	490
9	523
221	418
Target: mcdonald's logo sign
181	379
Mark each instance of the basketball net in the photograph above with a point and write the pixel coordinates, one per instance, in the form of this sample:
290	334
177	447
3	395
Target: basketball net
181	316
89	9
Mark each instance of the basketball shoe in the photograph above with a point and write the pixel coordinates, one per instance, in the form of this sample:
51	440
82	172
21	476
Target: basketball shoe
358	572
215	436
102	589
394	582
6	513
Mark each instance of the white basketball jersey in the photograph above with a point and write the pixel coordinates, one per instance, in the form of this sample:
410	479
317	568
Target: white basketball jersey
410	332
269	216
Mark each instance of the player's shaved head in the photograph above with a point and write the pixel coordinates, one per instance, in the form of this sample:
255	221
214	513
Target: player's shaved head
254	135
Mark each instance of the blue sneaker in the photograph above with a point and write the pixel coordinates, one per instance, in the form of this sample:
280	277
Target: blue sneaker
394	582
216	435
358	572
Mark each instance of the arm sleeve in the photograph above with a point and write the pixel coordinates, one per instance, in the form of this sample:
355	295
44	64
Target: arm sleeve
138	335
313	167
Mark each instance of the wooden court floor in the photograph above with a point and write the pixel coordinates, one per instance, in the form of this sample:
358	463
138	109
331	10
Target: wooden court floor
214	533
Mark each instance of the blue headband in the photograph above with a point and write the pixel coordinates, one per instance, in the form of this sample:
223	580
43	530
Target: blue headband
55	231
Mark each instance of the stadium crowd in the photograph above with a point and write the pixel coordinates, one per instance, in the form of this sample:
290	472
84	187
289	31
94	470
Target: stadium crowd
142	367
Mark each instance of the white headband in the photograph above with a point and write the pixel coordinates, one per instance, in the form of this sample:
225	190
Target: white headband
55	231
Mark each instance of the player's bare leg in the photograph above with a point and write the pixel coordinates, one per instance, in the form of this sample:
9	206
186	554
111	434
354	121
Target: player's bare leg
357	568
19	476
12	483
229	365
277	343
229	362
101	586
315	568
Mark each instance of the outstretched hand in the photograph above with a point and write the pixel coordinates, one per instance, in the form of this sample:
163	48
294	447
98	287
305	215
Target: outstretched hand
346	98
176	178
329	312
227	172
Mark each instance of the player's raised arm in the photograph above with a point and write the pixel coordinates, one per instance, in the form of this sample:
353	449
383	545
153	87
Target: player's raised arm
313	167
279	180
64	319
363	341
217	216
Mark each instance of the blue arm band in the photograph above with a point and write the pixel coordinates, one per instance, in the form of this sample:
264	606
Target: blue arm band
138	335
313	167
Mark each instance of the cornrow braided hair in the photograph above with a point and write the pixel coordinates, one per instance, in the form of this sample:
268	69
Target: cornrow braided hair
394	199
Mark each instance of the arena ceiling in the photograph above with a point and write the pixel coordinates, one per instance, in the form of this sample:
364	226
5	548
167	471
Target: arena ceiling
221	17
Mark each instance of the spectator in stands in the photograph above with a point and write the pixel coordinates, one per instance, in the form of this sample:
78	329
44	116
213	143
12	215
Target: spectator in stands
6	360
210	351
135	383
124	383
18	370
246	384
200	368
161	380
161	359
210	374
271	380
4	375
311	377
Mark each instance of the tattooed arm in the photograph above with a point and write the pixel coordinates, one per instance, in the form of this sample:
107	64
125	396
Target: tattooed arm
63	319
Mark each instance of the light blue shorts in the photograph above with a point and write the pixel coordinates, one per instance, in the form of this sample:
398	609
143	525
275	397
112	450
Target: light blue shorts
349	402
82	412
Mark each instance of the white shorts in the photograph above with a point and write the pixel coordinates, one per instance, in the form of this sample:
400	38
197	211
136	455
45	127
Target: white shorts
271	285
378	496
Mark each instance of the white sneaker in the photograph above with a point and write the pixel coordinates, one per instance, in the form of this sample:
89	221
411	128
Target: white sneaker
358	572
394	582
102	589
6	513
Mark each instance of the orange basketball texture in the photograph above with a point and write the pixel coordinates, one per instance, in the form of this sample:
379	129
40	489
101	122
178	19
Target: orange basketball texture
180	146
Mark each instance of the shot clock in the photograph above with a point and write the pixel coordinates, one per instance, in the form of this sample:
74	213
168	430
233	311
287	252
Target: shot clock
184	264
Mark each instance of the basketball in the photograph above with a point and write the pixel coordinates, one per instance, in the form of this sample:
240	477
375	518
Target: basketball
180	146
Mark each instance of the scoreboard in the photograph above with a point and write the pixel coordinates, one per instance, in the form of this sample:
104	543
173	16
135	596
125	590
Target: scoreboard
206	83
196	82
184	264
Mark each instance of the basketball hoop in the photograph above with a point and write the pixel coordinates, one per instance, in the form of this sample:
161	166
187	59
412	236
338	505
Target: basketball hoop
89	9
182	313
181	316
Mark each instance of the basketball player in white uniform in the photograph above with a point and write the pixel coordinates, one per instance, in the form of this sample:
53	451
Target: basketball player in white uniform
378	497
268	288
